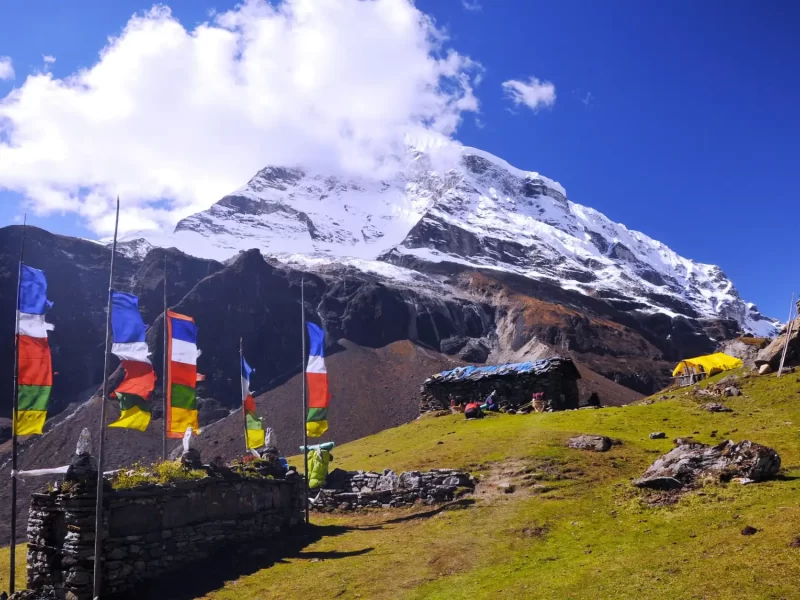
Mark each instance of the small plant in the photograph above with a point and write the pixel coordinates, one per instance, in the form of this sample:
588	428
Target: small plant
160	473
69	487
248	466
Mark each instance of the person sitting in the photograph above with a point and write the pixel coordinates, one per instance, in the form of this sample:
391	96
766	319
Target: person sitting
473	411
491	403
455	406
537	401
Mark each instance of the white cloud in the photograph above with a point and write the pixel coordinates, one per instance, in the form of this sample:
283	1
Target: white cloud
534	93
48	60
6	68
471	5
173	119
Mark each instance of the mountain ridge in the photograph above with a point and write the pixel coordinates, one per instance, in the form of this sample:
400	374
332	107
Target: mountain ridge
475	210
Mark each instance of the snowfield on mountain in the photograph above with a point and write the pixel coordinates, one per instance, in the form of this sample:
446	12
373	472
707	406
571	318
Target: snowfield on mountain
462	206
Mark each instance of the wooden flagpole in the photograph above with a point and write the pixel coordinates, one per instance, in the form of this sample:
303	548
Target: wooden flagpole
98	522
241	375
164	367
789	327
305	398
12	570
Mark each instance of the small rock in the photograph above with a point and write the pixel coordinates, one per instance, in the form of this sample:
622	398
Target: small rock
795	543
715	407
749	530
506	487
764	369
658	435
594	443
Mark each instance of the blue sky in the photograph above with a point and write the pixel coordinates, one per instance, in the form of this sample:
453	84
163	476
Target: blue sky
679	119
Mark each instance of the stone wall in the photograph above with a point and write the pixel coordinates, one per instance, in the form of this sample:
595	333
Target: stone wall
349	490
513	390
150	532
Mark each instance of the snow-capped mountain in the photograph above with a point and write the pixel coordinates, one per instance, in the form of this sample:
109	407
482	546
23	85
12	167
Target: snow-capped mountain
475	209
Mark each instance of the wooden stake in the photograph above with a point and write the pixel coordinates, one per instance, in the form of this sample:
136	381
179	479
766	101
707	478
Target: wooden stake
98	522
789	327
305	399
12	570
164	367
241	375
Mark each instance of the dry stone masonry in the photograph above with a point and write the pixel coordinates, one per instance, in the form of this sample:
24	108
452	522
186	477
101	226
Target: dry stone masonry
556	378
152	531
349	490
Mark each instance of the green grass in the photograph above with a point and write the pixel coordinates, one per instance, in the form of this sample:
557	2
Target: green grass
586	534
592	535
20	557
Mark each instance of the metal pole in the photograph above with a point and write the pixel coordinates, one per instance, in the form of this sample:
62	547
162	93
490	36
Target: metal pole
98	522
241	376
12	570
789	327
305	399
164	368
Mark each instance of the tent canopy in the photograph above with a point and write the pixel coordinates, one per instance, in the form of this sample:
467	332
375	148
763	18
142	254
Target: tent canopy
709	364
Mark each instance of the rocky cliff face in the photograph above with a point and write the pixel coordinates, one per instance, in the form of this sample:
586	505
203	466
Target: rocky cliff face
77	273
451	308
250	298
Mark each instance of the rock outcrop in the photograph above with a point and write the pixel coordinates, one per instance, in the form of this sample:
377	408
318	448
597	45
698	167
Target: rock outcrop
771	355
683	466
744	348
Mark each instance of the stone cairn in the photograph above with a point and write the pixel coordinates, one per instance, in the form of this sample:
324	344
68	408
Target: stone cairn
349	490
68	517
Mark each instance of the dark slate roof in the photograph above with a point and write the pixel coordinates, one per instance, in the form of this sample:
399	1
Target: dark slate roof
536	367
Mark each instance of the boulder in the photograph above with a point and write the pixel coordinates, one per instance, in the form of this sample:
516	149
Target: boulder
682	466
771	355
595	443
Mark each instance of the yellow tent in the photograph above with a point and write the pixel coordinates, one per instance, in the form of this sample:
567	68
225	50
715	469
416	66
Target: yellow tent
709	364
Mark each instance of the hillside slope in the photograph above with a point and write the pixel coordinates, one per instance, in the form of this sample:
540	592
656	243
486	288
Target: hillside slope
586	534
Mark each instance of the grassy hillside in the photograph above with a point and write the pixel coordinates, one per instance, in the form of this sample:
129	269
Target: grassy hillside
573	528
586	533
4	570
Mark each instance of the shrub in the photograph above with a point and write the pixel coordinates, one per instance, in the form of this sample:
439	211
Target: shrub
160	473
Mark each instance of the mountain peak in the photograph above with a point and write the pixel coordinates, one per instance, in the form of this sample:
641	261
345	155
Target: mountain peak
463	205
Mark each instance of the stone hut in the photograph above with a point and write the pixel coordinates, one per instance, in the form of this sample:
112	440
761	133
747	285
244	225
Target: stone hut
556	378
